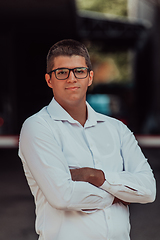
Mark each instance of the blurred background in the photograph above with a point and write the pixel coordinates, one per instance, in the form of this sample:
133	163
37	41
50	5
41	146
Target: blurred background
123	38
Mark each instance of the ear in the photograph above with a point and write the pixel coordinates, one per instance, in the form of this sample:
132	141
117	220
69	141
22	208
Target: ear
48	80
90	78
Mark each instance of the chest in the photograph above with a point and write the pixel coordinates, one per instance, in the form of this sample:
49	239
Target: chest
97	147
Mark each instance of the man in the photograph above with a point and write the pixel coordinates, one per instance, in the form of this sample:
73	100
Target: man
83	168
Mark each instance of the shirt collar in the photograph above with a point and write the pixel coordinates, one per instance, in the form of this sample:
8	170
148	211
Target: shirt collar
58	113
93	117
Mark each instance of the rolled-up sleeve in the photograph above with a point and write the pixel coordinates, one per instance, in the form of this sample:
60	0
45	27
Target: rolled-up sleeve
40	151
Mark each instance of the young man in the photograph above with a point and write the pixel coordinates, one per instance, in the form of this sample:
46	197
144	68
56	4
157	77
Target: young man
83	168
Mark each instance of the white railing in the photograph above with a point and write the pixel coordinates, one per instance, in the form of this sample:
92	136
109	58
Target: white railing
143	140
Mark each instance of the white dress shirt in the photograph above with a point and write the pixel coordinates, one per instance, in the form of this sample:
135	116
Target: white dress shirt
52	142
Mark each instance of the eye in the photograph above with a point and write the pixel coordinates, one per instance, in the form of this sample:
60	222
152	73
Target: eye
62	71
80	70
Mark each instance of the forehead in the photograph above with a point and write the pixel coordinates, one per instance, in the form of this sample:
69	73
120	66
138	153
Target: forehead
69	62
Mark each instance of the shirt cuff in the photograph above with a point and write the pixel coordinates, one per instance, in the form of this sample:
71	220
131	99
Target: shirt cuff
115	187
113	178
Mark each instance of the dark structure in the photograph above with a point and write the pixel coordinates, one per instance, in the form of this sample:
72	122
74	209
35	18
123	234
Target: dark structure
29	28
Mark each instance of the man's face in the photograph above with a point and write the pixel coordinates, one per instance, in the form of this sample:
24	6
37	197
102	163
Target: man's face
71	91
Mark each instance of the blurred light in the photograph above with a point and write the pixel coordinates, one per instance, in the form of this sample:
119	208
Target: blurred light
1	121
100	103
9	141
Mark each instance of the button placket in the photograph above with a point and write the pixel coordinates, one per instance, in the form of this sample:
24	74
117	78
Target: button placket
95	153
91	147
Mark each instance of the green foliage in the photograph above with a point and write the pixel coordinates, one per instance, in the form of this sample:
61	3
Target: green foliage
115	7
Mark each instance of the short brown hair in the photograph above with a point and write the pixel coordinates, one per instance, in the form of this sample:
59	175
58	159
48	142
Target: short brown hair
67	47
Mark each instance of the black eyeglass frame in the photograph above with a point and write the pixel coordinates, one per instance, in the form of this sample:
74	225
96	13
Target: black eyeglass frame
70	69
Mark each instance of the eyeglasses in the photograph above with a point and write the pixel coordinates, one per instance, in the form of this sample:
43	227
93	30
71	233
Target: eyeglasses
63	73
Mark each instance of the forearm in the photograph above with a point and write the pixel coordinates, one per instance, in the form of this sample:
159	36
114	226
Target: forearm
93	176
131	187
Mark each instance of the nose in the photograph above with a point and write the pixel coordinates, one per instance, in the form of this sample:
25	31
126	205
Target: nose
71	77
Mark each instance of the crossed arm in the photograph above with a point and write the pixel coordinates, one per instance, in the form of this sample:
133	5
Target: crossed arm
91	175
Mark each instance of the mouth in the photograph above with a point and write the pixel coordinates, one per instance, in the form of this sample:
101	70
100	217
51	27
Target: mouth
72	88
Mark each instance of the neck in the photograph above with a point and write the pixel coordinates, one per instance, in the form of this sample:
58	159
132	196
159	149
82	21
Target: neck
78	113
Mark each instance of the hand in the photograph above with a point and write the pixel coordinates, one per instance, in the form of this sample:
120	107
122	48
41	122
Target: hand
86	174
117	200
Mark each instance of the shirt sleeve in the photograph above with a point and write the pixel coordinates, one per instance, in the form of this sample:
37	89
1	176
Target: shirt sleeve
44	157
136	183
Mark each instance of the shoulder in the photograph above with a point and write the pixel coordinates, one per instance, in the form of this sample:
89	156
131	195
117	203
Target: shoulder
39	116
36	122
